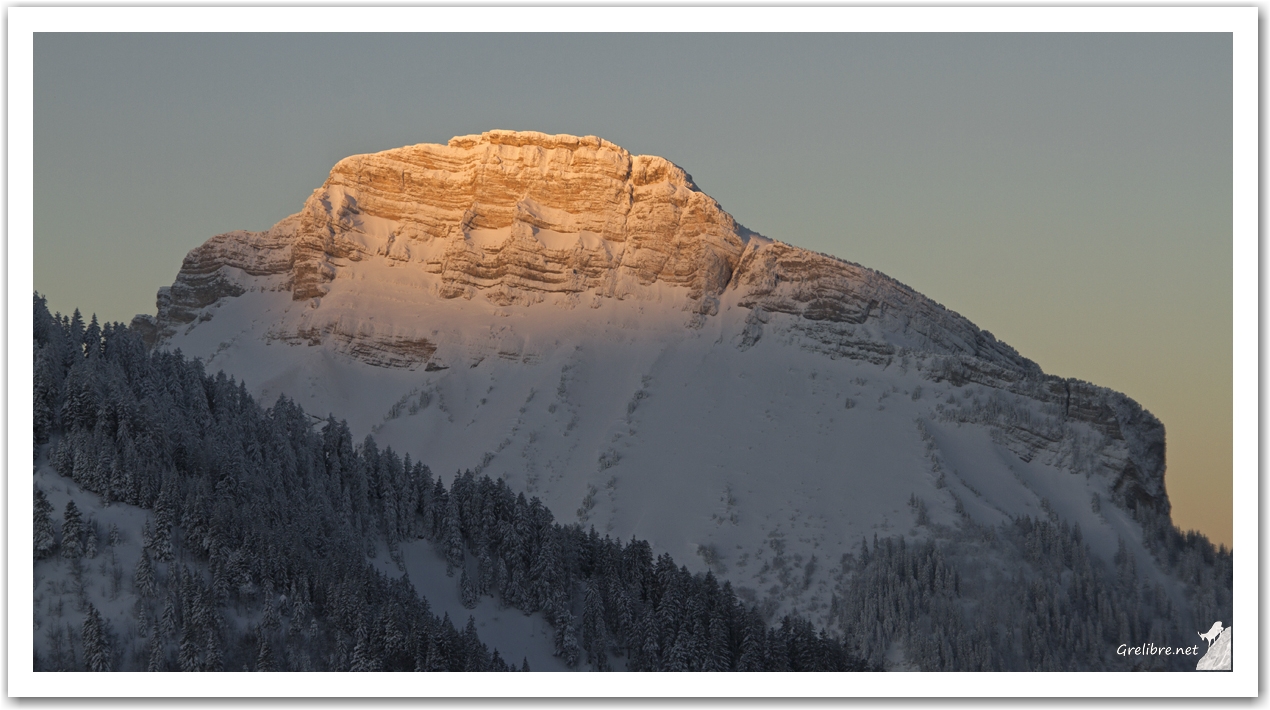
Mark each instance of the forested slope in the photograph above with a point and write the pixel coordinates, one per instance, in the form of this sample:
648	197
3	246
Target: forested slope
256	551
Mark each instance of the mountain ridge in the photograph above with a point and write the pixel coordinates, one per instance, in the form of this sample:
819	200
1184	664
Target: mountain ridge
440	295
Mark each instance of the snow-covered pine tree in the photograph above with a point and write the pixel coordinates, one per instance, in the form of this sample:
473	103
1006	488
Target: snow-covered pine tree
90	539
264	654
269	618
45	540
396	646
167	620
594	632
213	660
45	394
97	656
453	538
76	337
718	655
156	660
467	591
187	656
72	532
92	339
143	581
753	638
79	409
364	660
567	641
162	535
486	572
679	658
436	661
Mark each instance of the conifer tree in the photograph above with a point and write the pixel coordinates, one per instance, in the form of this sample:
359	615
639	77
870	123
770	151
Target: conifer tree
486	574
594	636
45	395
718	655
566	640
187	655
92	338
168	618
72	532
96	645
155	662
396	651
364	660
453	538
143	580
679	658
752	642
90	539
45	537
162	535
214	660
467	591
264	654
436	655
269	619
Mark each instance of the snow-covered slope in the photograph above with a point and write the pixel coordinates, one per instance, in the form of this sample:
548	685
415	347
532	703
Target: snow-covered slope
589	326
105	580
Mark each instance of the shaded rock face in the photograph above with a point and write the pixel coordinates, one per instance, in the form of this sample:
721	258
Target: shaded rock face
365	344
831	296
518	219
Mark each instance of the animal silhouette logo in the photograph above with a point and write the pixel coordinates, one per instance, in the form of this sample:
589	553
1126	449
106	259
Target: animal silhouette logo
1212	634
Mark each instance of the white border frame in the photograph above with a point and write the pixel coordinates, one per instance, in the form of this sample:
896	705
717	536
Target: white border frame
23	22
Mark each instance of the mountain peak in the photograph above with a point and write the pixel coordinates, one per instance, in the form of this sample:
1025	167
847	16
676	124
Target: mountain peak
588	326
513	217
518	218
397	244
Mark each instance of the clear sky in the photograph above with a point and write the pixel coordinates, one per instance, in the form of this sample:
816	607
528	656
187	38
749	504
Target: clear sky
1070	193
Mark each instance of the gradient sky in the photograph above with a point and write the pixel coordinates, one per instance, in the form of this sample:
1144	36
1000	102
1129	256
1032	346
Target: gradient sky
1070	193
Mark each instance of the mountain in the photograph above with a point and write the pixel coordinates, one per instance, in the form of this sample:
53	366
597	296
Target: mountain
589	327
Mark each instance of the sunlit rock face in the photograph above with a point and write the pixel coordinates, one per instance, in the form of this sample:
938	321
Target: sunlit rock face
504	216
591	327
